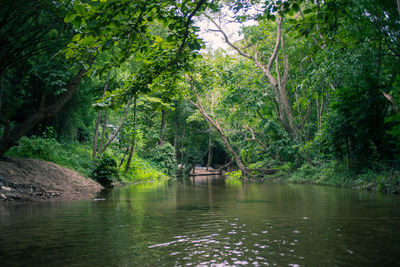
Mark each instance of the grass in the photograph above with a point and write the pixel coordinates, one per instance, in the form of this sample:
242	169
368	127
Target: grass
335	174
73	156
141	170
77	157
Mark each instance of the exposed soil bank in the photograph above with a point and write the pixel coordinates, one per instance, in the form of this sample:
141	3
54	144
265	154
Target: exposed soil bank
27	180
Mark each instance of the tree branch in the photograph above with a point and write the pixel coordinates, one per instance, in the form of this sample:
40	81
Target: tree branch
227	39
118	129
253	137
187	24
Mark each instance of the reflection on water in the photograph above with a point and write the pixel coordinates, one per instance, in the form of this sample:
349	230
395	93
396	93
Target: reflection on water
206	180
206	222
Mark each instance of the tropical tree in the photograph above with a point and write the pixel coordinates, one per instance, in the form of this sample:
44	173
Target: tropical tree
118	26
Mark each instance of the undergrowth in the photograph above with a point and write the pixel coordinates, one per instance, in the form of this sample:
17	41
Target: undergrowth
141	170
74	156
77	157
334	174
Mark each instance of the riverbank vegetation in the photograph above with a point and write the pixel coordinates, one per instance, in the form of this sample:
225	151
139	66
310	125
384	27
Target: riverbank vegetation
77	157
310	91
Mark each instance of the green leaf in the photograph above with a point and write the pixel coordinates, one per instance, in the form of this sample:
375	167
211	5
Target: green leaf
307	11
76	38
171	27
77	22
70	17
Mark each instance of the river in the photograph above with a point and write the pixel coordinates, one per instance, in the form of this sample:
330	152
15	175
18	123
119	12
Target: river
206	222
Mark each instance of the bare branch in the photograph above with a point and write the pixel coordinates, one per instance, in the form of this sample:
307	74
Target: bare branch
253	137
227	39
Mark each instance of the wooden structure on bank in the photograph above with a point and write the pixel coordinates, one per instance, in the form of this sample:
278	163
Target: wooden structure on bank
202	171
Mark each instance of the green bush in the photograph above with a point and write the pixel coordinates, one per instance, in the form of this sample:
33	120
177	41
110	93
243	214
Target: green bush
164	158
336	174
141	170
73	156
36	147
235	175
106	171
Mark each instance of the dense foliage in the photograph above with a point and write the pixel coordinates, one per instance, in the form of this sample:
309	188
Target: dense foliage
312	89
106	171
163	157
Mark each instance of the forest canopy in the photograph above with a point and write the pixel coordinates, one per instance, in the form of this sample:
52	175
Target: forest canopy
309	85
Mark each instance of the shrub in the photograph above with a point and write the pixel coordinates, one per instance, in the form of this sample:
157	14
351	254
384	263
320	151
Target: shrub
36	147
141	170
164	158
236	175
106	171
73	156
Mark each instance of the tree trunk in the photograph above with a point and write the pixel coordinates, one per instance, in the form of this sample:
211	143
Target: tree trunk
278	84
123	158
321	112
103	132
96	127
128	164
216	125
132	148
109	141
182	147
162	130
12	137
318	113
282	85
210	146
96	134
176	141
392	101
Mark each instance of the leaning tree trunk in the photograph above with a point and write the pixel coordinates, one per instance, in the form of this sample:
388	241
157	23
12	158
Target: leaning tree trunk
123	158
12	137
102	149
279	84
131	151
216	125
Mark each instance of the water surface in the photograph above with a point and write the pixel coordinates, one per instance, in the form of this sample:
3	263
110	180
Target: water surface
206	222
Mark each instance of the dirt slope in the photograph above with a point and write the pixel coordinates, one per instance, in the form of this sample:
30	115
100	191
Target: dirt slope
35	180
